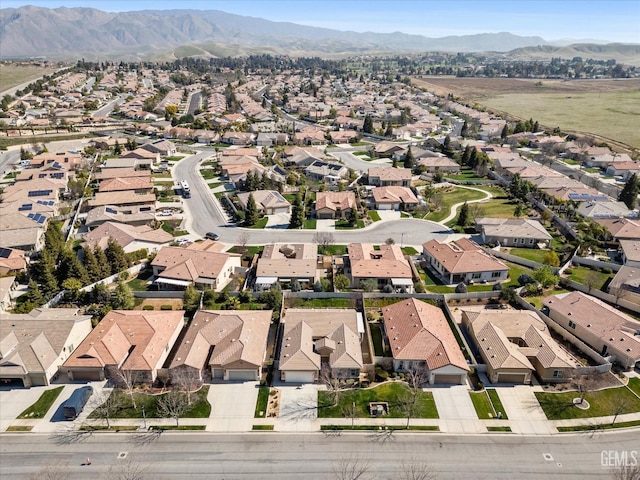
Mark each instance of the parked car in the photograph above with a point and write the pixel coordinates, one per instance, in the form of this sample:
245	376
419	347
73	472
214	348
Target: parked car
76	402
165	213
212	236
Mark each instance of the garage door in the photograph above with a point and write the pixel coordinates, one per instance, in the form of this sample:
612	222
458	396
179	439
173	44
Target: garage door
446	379
242	374
511	377
12	382
299	377
86	375
217	373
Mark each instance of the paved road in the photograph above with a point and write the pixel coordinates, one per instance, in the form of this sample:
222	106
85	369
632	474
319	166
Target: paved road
106	110
194	103
313	456
353	161
206	215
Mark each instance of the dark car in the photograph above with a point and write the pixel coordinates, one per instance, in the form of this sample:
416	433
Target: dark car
212	236
76	402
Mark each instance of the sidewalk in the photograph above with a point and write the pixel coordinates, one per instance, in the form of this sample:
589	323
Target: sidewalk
524	412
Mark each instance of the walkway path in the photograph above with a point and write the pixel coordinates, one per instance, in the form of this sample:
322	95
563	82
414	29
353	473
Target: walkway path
454	208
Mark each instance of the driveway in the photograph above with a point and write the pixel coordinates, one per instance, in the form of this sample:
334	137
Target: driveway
233	406
14	401
298	407
325	225
279	220
456	411
525	414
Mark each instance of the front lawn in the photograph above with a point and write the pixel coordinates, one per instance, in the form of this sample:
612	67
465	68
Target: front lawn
309	224
373	215
634	384
533	254
320	303
605	426
262	402
559	406
200	406
378	342
208	173
40	408
345	225
391	392
335	250
450	198
409	251
261	223
482	404
497	404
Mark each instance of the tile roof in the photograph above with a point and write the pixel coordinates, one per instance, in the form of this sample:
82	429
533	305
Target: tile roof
394	194
462	256
387	262
296	351
190	263
125	234
513	227
419	331
335	200
386	174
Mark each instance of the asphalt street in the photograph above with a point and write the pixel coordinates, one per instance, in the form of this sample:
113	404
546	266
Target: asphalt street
314	456
207	216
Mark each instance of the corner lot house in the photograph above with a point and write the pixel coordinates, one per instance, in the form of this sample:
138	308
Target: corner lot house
515	344
227	344
314	338
133	341
34	345
394	198
463	261
608	331
129	237
512	232
268	202
287	263
420	338
201	264
385	266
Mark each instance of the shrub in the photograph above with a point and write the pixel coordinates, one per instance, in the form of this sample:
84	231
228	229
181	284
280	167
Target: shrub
568	271
497	287
317	287
245	297
461	288
419	287
295	286
387	289
525	279
148	307
381	375
166	307
607	270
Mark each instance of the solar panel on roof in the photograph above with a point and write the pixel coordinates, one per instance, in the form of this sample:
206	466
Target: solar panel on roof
145	209
5	252
111	210
26	207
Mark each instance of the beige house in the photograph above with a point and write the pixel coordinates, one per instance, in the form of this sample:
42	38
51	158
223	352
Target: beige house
512	232
201	264
384	177
335	204
421	339
129	342
394	198
385	266
129	237
268	202
314	338
608	331
287	263
439	164
12	260
33	346
226	344
516	343
463	261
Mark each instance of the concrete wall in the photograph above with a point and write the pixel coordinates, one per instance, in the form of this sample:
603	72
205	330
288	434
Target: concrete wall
590	262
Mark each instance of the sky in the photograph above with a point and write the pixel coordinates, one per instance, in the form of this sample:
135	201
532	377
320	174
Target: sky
614	21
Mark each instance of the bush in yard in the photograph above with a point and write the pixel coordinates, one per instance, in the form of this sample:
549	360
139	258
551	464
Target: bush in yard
419	287
381	375
148	307
607	270
461	288
245	297
317	287
166	307
525	279
568	271
497	287
387	289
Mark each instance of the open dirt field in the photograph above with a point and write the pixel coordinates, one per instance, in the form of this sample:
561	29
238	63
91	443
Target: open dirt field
176	303
13	75
608	108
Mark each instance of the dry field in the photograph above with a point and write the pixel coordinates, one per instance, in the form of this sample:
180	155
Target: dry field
14	75
607	108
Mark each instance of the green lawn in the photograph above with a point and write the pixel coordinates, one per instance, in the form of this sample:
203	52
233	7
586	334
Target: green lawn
261	223
373	215
498	429
345	225
335	250
497	207
429	428
514	272
465	174
634	384
533	254
537	301
263	401
320	302
214	185
606	426
409	251
482	404
200	406
40	408
141	282
581	274
250	251
559	406
497	404
450	198
262	427
376	337
208	173
309	224
391	392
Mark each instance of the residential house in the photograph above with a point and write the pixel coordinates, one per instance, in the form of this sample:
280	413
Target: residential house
394	198
12	261
201	264
421	340
606	209
238	138
512	232
606	158
630	252
268	202
133	343
129	173
329	173
223	344
134	185
269	139
385	266
129	237
386	148
34	345
515	344
605	329
135	215
314	339
69	160
463	261
300	157
335	204
22	232
439	164
287	263
384	177
163	147
621	228
146	157
8	286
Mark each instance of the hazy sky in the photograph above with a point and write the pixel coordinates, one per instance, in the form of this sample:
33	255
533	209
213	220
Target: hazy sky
616	20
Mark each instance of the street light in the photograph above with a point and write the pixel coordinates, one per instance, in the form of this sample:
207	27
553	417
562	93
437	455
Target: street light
144	418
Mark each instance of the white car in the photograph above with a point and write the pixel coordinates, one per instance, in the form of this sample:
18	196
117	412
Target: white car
165	213
182	241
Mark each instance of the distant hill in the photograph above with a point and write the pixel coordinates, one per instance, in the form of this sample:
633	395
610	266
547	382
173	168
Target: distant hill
68	33
621	52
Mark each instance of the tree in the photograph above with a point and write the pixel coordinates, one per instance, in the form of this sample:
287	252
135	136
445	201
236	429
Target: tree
545	277
100	294
340	282
70	267
191	299
508	295
447	149
409	160
323	239
172	405
520	210
352	216
464	132
91	265
505	132
187	379
368	285
122	298
106	403
627	472
461	288
367	126
545	216
35	295
103	262
251	213
297	213
463	216
389	241
72	286
551	258
116	257
333	382
352	467
52	471
592	280
117	149
127	469
416	469
43	273
525	279
629	193
128	379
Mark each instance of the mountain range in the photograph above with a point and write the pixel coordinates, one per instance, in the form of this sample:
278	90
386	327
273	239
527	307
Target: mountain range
70	33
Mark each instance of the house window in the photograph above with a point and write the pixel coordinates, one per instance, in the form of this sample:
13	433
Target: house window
496	274
557	374
476	275
572	324
531	241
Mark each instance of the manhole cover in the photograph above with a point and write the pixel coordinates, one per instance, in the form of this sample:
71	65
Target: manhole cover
548	457
122	455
